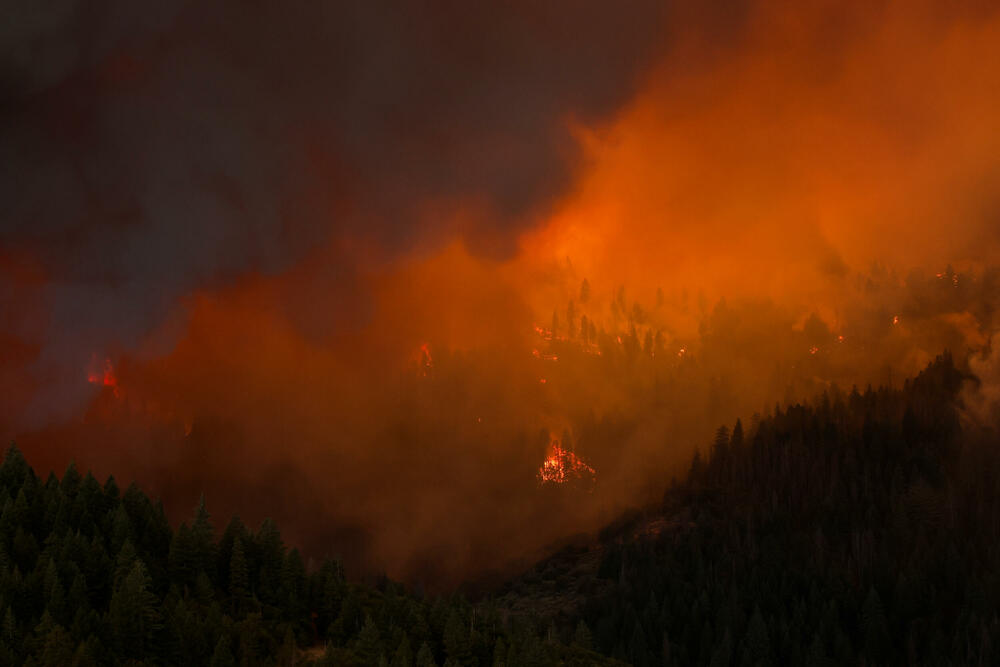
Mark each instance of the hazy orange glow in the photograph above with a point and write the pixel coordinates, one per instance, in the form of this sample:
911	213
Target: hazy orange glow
803	156
103	374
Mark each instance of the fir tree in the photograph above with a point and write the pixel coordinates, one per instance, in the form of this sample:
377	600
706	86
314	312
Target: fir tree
368	647
239	580
425	657
222	656
404	654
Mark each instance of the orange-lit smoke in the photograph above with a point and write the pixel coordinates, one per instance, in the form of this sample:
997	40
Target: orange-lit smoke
831	136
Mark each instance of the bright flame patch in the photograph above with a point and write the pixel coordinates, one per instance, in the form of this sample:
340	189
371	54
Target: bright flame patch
103	374
562	466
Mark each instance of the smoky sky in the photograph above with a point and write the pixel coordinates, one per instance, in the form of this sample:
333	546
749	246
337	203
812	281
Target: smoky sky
149	149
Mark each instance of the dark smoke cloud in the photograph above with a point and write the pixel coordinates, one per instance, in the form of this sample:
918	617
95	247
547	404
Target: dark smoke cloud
149	149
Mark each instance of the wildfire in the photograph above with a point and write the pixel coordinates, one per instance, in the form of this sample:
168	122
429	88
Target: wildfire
543	332
954	278
562	466
544	356
103	374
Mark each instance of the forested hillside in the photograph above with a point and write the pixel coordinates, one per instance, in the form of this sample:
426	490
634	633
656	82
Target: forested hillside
93	576
860	530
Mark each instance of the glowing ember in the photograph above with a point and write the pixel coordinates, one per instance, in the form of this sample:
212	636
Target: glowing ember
840	339
562	466
543	332
895	319
542	380
954	278
544	356
103	374
813	350
681	352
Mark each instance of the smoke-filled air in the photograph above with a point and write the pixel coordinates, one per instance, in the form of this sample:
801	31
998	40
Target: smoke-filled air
440	287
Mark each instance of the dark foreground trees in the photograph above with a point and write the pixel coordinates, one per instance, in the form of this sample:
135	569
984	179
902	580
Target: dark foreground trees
93	576
861	530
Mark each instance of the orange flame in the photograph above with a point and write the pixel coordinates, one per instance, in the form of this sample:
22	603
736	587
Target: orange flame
562	466
543	332
103	375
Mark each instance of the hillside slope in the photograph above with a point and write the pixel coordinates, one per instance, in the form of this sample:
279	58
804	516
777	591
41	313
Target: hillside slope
862	529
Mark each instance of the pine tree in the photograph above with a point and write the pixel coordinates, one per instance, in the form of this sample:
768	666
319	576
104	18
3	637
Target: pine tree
70	481
202	540
289	649
368	647
425	657
876	633
183	556
456	639
757	644
582	636
499	653
9	631
637	648
121	528
723	653
271	552
404	654
239	581
124	562
57	650
222	656
14	470
86	654
817	654
132	614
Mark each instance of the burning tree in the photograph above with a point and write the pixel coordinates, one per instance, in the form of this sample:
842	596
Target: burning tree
562	466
